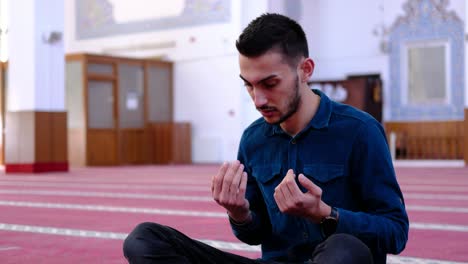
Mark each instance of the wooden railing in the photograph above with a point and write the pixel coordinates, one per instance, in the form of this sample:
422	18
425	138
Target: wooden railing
427	140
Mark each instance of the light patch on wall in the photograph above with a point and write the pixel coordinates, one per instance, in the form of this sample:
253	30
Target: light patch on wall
137	10
103	18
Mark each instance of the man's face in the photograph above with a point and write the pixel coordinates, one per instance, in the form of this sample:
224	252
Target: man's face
272	84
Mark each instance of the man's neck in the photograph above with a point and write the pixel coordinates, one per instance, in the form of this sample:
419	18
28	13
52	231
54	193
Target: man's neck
306	111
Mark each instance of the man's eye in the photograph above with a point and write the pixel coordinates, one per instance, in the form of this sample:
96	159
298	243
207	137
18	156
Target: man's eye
247	85
270	84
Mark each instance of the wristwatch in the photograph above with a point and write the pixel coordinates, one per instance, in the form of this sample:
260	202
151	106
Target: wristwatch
329	223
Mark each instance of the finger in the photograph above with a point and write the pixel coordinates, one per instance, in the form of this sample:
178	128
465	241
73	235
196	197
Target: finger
280	198
280	195
229	176
227	181
242	186
234	188
291	185
309	185
237	179
217	180
281	191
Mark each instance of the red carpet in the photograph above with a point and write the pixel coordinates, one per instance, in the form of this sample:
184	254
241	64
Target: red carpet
83	216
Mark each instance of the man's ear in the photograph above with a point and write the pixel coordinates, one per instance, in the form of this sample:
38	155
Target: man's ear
306	69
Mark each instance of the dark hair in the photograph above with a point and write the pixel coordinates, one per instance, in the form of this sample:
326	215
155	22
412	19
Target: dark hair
273	31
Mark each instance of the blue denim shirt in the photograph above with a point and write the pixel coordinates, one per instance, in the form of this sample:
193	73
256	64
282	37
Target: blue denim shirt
342	150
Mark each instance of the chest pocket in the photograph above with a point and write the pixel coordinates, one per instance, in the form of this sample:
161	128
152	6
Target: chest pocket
324	173
330	178
268	177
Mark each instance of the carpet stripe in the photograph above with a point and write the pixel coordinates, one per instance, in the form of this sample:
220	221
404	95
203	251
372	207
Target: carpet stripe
424	226
6	248
434	188
110	195
439	227
148	186
424	208
426	196
421	196
103	208
188	186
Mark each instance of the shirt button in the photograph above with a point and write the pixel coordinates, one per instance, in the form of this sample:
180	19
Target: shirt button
293	141
305	235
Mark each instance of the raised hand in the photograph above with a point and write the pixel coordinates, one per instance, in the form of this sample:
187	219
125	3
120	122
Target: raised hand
291	200
228	190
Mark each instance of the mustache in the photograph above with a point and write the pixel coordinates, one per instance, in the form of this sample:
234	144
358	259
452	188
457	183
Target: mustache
266	108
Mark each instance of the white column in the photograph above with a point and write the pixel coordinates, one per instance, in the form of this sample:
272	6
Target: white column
465	149
35	125
36	55
466	55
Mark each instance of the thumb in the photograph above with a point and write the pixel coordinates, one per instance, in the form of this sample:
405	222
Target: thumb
290	173
309	185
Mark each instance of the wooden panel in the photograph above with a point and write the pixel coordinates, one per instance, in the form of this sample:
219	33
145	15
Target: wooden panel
96	77
162	143
172	143
362	91
101	147
428	140
133	146
77	147
356	93
182	149
42	137
50	137
59	137
465	137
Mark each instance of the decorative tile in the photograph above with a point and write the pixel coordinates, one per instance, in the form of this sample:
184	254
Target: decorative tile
427	20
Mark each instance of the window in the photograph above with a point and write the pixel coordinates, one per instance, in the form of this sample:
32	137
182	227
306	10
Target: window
427	73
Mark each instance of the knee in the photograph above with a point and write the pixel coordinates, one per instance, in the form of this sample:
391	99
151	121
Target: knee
348	247
137	241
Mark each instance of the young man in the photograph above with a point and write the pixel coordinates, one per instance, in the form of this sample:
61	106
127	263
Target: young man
314	180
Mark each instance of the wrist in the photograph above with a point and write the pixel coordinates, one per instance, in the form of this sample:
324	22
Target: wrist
240	219
323	211
329	223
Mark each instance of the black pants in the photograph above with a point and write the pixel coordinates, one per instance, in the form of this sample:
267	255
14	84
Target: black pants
154	243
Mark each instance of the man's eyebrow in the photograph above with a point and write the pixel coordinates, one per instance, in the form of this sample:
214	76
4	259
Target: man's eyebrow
262	80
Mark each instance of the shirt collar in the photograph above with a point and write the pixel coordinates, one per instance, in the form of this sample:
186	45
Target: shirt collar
319	121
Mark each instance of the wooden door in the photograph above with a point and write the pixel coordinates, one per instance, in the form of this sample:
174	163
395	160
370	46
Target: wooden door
102	135
159	111
133	146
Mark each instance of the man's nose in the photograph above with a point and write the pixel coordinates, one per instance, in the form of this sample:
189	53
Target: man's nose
259	98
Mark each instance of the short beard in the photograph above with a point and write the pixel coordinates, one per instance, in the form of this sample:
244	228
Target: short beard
293	104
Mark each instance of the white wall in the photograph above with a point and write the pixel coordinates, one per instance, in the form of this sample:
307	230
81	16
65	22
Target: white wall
207	94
